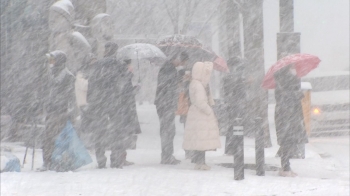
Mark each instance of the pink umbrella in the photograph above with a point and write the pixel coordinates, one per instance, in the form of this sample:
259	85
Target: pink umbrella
220	64
303	63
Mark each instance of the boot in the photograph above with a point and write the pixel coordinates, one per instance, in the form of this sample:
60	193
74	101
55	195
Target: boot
118	159
117	166
102	163
170	161
43	168
202	167
128	163
287	173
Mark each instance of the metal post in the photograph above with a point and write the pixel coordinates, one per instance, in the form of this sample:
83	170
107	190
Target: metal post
34	142
259	147
238	141
25	156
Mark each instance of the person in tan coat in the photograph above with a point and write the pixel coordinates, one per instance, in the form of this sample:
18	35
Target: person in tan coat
201	129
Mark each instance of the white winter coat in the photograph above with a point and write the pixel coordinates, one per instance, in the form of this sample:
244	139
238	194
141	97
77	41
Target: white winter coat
201	130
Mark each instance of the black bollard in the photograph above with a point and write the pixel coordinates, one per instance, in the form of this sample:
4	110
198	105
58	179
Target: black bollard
259	147
238	156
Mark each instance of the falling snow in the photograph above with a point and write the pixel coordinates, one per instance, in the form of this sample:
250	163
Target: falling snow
175	97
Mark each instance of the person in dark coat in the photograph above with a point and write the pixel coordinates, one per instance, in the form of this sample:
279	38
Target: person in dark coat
166	104
59	103
129	123
234	98
288	116
103	98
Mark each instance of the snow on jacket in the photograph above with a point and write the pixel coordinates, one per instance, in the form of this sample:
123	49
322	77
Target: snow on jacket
201	130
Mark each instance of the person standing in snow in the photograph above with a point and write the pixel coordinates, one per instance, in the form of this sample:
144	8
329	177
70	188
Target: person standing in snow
288	116
234	98
166	104
103	98
201	129
128	121
59	103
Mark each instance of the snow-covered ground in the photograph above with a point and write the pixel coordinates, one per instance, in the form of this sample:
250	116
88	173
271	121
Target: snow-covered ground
324	171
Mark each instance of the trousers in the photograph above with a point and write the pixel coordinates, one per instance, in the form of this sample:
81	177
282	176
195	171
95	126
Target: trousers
286	154
198	157
108	138
54	124
167	133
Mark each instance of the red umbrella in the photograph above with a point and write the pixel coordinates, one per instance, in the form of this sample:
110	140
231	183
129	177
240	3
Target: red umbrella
220	65
304	63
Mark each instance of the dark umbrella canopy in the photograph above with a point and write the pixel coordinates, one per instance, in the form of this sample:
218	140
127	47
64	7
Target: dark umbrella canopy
173	44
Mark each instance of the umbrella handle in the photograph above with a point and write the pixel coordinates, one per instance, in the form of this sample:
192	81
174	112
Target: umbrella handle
138	65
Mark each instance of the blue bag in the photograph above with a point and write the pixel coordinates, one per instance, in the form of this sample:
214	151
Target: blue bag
69	153
12	164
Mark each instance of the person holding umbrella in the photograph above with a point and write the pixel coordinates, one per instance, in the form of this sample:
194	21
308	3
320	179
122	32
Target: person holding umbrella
129	123
288	115
166	104
285	76
104	103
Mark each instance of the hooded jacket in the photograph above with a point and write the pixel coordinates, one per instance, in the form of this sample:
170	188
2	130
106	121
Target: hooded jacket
60	87
201	129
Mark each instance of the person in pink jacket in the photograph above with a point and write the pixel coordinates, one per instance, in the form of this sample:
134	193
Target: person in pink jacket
201	129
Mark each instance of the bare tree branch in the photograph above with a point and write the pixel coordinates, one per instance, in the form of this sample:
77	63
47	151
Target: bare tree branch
177	17
148	14
208	19
195	5
190	10
169	13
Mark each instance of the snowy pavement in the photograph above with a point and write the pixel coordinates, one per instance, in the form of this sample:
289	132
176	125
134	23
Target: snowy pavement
324	171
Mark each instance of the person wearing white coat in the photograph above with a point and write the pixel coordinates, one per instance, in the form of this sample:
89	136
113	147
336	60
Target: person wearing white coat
201	130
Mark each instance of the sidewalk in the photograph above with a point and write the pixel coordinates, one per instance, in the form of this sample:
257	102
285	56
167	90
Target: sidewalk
317	176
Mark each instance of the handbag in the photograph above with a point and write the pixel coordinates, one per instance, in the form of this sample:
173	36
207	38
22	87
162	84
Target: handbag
183	104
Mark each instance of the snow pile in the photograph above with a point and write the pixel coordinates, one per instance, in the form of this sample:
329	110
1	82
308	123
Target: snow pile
330	97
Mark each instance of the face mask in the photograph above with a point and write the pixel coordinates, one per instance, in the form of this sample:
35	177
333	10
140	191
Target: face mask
293	71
